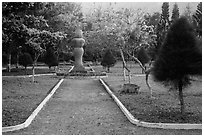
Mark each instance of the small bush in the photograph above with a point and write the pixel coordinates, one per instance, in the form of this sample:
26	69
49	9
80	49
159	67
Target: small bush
108	60
4	59
142	56
25	59
50	58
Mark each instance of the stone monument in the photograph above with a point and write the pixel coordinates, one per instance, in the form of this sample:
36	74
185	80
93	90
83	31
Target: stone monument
77	44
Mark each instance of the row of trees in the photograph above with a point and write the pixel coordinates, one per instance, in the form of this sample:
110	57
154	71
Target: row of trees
34	27
105	28
142	33
180	54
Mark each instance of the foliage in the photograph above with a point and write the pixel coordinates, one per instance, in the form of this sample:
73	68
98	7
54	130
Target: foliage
198	19
179	55
162	26
178	58
105	28
152	19
142	56
50	58
23	22
25	59
175	13
63	16
4	59
108	59
165	12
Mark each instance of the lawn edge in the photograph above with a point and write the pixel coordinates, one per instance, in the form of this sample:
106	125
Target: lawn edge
137	122
25	76
35	112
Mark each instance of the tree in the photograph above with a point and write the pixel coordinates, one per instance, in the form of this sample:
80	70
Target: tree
175	13
162	26
198	19
108	60
50	58
40	41
14	16
142	56
152	19
25	59
178	58
63	16
165	13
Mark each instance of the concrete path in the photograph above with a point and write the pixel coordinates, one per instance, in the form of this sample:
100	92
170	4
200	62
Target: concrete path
82	107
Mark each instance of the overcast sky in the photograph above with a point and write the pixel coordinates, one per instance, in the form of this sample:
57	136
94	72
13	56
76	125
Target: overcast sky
149	7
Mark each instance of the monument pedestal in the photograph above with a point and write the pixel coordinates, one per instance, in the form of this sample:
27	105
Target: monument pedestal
80	69
78	64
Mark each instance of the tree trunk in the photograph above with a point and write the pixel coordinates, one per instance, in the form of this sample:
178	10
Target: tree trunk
33	69
108	69
9	63
180	85
17	57
124	64
25	70
124	74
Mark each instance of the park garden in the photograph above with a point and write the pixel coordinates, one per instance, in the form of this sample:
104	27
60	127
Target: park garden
160	56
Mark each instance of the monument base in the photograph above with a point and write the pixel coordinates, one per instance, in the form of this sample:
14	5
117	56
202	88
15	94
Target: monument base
80	69
80	72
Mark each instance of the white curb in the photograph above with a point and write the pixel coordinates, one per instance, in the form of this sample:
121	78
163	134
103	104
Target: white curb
35	112
137	122
24	76
71	69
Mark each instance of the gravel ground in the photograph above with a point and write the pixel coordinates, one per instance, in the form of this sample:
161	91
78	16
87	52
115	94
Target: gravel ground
82	107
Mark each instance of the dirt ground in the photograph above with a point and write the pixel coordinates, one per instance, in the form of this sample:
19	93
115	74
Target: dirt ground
83	107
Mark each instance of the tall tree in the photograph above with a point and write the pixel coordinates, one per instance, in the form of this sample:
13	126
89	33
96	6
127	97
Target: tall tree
165	14
198	19
175	13
162	26
178	58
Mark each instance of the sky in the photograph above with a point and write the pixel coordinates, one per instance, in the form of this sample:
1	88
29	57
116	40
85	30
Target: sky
149	7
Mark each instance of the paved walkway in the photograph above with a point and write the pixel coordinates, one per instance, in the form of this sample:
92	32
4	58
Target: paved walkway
84	107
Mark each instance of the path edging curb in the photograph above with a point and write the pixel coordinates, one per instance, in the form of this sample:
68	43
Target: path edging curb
137	122
25	76
34	113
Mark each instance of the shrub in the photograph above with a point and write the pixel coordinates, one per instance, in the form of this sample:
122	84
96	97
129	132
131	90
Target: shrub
108	60
25	59
50	58
4	59
143	56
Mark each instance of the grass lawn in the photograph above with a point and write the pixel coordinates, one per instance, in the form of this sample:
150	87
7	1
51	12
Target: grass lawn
41	69
165	106
20	97
21	71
